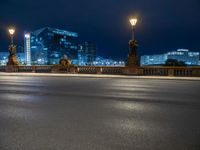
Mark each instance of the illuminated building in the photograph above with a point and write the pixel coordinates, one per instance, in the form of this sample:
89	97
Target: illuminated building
188	57
81	56
153	59
48	45
184	55
27	48
87	54
100	61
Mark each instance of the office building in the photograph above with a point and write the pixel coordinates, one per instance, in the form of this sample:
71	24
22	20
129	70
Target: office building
184	55
153	59
82	59
27	49
87	54
90	52
48	45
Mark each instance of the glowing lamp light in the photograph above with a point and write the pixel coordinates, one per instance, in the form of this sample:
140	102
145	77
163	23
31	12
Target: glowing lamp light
11	31
27	35
133	21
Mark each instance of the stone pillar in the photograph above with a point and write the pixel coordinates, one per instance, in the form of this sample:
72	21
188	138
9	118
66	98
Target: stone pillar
12	58
132	57
133	67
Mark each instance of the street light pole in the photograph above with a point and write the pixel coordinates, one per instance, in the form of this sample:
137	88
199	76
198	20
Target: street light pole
11	39
133	36
11	31
132	57
12	58
133	22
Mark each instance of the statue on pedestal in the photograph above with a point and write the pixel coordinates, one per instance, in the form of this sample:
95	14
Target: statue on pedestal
65	62
64	66
132	57
12	58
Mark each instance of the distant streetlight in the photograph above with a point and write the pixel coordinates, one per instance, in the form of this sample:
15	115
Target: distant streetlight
12	57
133	22
12	32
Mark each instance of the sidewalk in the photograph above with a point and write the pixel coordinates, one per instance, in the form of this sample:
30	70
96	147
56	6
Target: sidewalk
97	76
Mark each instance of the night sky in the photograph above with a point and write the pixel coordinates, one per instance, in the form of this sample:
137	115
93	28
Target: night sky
163	25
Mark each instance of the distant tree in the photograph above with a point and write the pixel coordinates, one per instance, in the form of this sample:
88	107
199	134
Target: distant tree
174	62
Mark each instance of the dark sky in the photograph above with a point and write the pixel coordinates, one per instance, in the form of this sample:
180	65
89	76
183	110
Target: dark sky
163	25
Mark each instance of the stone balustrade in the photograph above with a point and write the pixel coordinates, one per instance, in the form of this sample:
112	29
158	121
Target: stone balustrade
171	71
145	71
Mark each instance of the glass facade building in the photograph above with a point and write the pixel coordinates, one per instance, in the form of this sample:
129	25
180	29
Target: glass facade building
184	55
153	59
48	45
188	57
87	54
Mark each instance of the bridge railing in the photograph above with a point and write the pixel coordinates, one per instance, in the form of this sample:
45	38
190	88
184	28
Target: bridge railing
100	70
146	71
37	69
2	68
171	71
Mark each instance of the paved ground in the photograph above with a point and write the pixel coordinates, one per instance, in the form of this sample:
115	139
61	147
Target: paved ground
76	113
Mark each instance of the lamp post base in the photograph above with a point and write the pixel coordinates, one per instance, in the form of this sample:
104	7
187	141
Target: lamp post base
12	58
132	57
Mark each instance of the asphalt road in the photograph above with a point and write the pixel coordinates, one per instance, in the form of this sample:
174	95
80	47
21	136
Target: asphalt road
79	113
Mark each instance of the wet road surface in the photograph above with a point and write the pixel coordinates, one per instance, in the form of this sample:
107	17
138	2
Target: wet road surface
77	113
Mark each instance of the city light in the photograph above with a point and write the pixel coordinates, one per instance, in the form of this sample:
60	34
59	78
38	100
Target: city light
133	21
11	31
27	35
27	49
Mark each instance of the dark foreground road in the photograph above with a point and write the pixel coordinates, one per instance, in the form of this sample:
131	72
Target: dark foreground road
72	113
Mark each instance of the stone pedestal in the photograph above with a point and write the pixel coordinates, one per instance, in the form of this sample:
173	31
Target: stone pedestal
64	66
12	58
133	67
132	57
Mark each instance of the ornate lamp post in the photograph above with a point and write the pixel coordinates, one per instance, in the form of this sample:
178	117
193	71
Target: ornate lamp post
133	22
12	32
132	57
12	58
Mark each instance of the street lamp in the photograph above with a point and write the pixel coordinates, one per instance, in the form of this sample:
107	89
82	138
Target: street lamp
133	22
132	57
12	57
12	32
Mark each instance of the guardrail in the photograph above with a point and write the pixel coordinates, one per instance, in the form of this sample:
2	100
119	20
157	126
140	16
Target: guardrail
145	71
